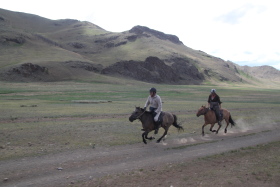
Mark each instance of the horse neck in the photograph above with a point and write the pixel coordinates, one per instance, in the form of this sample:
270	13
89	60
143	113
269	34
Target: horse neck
207	112
209	115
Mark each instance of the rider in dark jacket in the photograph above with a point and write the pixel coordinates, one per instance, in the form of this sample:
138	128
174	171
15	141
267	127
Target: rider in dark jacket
214	103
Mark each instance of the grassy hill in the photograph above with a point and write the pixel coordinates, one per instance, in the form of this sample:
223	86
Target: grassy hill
33	48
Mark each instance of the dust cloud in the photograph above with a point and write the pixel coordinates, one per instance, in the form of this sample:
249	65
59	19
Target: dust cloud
187	140
243	125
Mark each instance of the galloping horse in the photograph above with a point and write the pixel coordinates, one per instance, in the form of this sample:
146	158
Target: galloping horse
148	122
210	118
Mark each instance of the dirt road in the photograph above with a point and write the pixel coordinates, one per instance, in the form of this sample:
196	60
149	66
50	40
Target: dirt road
62	169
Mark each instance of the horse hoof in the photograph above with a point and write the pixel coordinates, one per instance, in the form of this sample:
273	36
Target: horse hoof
225	131
158	141
214	131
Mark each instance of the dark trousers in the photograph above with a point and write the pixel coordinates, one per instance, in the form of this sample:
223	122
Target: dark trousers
157	123
152	109
217	113
216	108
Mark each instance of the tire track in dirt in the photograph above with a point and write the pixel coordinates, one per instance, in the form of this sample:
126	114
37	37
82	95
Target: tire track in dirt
87	164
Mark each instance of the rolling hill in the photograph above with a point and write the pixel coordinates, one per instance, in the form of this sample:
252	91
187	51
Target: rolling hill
33	48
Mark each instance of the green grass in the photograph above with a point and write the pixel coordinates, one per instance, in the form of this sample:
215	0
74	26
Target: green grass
57	123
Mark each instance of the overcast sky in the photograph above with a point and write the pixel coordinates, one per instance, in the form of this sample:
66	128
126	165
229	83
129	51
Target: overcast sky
246	32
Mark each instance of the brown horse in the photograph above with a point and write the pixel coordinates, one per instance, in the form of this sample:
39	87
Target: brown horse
210	118
148	123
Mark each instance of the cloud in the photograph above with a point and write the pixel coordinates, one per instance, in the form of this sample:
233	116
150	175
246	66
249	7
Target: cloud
236	15
276	65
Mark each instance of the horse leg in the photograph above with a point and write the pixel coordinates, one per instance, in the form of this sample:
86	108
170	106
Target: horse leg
226	126
211	128
144	133
165	132
203	128
218	128
226	129
149	138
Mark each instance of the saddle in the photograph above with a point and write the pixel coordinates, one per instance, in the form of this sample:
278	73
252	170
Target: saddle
221	115
160	118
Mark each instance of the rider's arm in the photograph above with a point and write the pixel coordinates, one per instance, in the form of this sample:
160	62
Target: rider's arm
147	102
219	101
159	108
209	101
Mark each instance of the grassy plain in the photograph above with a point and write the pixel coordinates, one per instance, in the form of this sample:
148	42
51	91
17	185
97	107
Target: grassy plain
42	118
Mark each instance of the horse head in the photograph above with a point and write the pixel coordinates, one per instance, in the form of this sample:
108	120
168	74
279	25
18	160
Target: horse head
136	114
201	111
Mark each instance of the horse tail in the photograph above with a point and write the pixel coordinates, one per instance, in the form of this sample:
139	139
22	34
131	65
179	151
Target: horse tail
175	124
231	121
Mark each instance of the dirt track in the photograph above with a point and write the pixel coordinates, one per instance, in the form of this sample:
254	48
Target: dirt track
87	164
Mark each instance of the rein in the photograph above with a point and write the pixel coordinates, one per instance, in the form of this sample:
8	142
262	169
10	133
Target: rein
140	115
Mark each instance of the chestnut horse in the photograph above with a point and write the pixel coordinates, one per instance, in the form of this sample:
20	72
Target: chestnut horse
148	123
210	118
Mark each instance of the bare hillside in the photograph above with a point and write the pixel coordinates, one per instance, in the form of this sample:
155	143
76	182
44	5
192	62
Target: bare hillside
52	44
263	72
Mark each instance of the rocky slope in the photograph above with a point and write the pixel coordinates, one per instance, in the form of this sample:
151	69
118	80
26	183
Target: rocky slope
156	71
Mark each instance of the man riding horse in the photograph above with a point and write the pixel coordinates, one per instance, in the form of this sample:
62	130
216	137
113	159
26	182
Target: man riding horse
214	104
155	103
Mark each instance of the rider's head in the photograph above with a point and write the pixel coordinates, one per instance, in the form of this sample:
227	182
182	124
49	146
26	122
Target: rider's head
213	91
153	92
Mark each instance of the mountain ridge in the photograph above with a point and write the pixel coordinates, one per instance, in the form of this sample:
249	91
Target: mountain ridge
31	39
